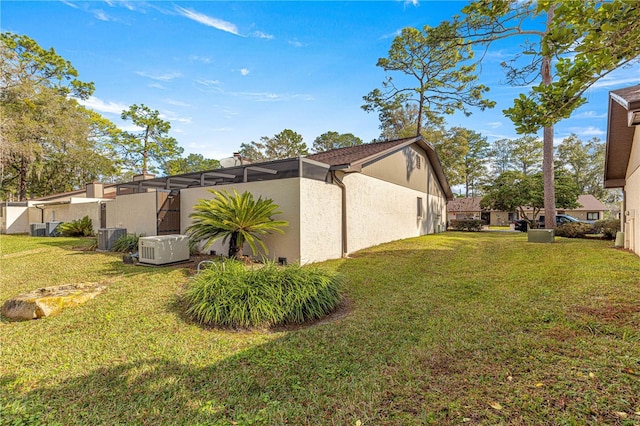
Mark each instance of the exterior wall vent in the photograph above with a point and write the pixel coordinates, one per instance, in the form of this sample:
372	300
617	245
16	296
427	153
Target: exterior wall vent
163	249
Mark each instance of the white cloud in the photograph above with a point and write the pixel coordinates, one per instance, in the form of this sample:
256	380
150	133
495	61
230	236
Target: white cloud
260	34
209	21
415	3
612	82
97	104
494	124
394	34
590	114
69	3
203	59
296	43
173	117
157	86
587	131
244	71
177	103
159	77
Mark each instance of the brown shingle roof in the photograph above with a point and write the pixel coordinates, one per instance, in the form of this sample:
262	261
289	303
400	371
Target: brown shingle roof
351	154
590	203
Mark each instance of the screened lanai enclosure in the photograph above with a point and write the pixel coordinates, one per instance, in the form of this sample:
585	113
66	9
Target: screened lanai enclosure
253	172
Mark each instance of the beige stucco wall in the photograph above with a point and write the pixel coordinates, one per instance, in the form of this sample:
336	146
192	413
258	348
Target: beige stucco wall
401	168
73	211
379	211
14	220
135	212
320	221
284	192
632	194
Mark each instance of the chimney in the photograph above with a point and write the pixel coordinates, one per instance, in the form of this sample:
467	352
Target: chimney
95	190
144	176
238	157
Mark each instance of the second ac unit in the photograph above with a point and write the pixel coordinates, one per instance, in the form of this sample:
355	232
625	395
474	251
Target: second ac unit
163	249
52	229
37	229
108	236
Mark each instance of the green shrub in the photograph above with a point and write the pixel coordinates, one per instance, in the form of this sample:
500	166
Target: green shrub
127	243
472	225
232	295
76	228
608	228
574	230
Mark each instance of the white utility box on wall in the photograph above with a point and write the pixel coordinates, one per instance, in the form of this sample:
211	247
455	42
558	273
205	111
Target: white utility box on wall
163	249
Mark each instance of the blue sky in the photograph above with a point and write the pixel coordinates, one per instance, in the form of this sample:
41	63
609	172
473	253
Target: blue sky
224	73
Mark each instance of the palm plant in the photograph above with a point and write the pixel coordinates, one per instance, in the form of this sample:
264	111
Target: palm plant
238	218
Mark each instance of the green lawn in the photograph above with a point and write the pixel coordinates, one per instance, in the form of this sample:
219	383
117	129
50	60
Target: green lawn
455	328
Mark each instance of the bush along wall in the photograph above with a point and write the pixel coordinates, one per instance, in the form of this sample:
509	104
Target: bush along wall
472	225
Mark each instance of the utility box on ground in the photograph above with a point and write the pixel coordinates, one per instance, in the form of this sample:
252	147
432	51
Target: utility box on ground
163	249
37	229
108	236
52	229
541	235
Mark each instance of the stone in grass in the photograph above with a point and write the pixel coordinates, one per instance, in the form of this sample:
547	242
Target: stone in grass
49	300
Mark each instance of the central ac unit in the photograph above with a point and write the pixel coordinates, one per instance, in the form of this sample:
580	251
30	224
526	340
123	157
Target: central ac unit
37	229
163	249
52	229
108	236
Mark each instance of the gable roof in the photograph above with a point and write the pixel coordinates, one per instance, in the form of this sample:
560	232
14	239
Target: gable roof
351	159
589	203
623	104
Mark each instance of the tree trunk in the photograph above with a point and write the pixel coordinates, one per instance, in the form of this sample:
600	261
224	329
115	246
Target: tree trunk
547	140
22	185
235	246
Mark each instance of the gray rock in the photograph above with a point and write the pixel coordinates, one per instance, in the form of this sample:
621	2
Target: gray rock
49	300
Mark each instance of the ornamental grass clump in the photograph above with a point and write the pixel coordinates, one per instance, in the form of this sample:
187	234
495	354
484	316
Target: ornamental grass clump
77	228
232	295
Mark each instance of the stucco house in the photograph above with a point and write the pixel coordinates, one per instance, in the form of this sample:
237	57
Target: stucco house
336	202
16	217
622	158
590	208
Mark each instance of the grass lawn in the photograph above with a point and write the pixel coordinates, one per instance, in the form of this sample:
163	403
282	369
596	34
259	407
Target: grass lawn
455	328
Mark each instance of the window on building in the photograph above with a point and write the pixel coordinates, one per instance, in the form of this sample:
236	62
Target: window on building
420	208
593	215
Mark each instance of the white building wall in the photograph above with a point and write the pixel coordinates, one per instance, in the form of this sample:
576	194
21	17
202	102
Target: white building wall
320	221
77	209
632	197
135	212
284	192
14	220
379	211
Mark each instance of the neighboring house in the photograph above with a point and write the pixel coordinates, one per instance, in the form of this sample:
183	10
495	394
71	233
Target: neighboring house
590	208
469	208
622	161
16	217
336	202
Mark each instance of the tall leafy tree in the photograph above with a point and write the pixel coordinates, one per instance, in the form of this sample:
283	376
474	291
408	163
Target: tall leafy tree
332	140
439	78
500	156
514	191
236	217
37	89
151	146
475	160
587	39
188	164
584	162
526	154
286	144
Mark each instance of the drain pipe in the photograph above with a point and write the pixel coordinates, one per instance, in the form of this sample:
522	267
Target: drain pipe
343	189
